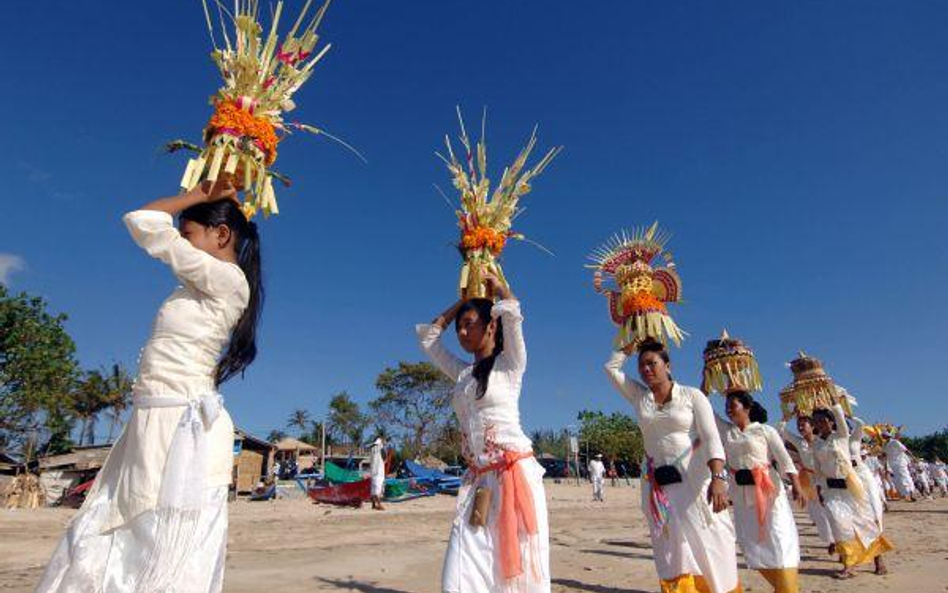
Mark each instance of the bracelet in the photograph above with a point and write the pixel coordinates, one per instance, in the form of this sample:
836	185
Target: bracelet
722	475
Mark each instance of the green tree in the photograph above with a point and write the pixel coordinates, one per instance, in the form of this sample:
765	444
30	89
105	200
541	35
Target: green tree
300	420
929	446
446	444
38	372
551	442
346	420
119	384
100	391
414	405
276	436
90	398
616	436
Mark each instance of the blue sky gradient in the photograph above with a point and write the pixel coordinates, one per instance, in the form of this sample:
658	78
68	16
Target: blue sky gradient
796	152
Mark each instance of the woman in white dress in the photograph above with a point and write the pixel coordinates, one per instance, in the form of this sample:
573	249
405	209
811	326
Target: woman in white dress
156	518
500	536
869	484
763	518
898	458
811	483
858	535
684	489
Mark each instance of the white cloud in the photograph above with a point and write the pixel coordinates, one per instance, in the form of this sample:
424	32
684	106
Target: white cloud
9	264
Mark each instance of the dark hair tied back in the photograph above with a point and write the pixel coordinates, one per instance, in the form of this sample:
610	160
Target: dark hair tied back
756	412
242	348
653	345
483	367
824	413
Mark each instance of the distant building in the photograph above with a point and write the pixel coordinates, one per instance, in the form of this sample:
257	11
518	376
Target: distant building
253	459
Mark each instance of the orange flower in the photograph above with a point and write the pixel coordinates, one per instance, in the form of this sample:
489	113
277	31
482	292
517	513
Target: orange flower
481	237
641	302
228	116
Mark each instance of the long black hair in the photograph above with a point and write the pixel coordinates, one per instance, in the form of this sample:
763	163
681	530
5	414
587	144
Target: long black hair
484	366
242	348
756	411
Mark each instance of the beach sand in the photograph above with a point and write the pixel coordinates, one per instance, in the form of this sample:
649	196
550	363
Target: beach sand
294	545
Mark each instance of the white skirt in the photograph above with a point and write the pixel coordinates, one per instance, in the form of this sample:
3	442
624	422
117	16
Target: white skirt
857	534
820	518
143	555
471	562
871	488
779	547
175	546
902	480
694	540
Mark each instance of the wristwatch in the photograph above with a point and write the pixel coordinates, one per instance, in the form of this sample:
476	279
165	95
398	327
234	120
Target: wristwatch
721	475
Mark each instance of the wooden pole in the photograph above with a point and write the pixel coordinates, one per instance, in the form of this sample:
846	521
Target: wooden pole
322	446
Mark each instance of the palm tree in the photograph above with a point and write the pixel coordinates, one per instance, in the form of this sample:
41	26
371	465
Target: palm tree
90	399
299	419
276	436
120	388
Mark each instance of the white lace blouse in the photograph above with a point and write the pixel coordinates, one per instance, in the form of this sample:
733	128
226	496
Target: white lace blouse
491	424
831	455
668	430
754	446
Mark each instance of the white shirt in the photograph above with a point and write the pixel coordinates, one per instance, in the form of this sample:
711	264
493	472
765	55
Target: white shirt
491	424
376	464
896	453
189	333
668	430
872	462
802	446
831	455
194	324
939	471
855	440
754	446
597	470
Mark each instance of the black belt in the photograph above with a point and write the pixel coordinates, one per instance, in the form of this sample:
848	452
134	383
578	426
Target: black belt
837	483
667	474
854	463
744	477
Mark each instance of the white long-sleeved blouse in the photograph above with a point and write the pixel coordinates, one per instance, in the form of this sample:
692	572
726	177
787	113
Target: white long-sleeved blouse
490	424
189	333
855	440
668	430
754	446
194	324
831	455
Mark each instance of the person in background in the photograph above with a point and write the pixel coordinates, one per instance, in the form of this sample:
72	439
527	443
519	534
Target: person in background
377	475
597	472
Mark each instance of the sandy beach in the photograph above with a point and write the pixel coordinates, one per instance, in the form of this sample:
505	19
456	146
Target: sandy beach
294	545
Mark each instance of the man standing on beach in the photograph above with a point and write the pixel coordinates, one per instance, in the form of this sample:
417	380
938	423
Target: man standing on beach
597	473
377	474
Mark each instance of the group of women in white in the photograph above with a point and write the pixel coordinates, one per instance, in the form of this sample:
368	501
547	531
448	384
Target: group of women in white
157	517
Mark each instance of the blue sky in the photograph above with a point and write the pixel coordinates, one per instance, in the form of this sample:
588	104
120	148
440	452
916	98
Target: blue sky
796	151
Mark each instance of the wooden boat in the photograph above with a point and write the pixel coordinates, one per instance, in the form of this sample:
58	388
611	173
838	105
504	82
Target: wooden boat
349	494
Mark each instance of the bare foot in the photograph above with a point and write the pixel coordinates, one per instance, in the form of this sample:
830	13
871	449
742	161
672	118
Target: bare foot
831	550
845	573
881	568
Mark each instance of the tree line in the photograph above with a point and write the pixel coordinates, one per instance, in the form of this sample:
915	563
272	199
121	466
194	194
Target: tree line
48	403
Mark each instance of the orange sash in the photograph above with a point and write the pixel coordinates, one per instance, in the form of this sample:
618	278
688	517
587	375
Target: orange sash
516	507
